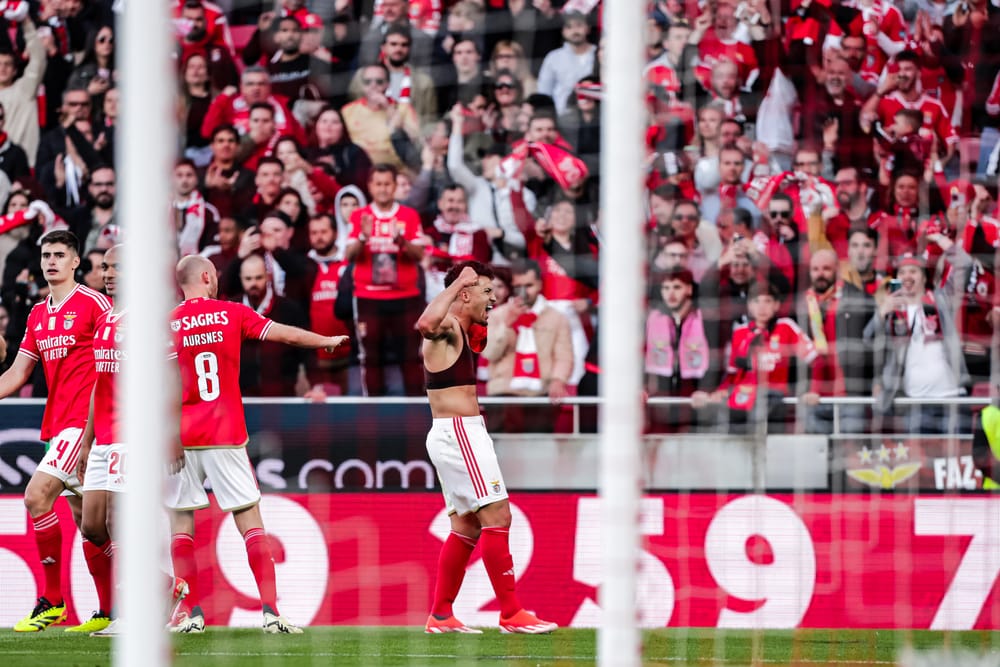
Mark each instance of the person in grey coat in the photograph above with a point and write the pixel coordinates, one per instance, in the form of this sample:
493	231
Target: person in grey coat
918	349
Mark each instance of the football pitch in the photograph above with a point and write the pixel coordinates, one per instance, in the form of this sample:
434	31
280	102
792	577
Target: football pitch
391	646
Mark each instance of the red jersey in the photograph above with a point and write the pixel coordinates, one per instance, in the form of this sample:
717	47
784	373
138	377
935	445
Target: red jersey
936	119
61	337
321	317
770	352
712	50
897	235
108	354
381	270
216	27
207	336
235	110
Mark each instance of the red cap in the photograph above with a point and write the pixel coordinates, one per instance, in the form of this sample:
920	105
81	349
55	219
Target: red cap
909	259
311	22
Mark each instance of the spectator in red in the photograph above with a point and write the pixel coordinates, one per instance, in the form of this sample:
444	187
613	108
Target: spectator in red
261	136
227	185
768	347
457	235
268	180
331	146
901	90
387	246
972	46
328	370
831	115
232	107
853	196
897	226
202	26
835	313
884	29
715	34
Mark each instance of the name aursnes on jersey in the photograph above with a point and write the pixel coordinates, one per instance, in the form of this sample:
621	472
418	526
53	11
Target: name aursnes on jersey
220	318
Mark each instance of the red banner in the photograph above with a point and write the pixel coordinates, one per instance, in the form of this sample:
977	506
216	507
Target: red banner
781	561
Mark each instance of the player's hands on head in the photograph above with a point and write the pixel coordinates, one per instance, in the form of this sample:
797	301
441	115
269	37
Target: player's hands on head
468	277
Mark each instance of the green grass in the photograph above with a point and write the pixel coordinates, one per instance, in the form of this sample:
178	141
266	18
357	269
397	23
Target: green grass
388	647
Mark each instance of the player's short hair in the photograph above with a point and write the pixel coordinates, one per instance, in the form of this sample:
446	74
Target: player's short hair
781	196
908	56
63	236
292	19
255	69
456	270
523	265
741	216
867	231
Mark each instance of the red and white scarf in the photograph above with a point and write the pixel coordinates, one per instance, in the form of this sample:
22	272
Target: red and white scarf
527	375
189	215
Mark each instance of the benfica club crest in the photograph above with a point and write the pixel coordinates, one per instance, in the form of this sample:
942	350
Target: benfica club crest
68	320
175	325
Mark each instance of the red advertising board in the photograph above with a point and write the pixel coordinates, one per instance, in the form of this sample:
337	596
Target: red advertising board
781	561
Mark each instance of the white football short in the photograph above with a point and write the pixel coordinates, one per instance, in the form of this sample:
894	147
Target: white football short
61	457
230	473
106	468
462	453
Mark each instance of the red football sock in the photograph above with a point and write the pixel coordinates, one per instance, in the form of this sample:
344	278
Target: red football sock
99	564
48	537
262	564
185	566
454	558
500	566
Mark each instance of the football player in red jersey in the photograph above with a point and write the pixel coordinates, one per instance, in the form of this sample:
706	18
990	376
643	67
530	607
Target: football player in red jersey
60	333
207	336
103	457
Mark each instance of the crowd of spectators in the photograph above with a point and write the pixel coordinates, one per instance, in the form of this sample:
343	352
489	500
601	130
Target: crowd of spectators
821	187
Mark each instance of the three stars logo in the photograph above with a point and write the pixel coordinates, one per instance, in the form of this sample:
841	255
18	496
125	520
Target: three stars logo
881	475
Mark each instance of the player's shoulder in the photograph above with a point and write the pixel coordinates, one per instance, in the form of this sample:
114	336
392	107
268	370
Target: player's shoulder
92	297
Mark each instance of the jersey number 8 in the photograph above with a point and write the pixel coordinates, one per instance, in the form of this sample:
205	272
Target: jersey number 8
206	366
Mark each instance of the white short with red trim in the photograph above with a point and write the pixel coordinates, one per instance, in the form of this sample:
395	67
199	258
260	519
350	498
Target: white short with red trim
229	471
106	469
462	452
61	457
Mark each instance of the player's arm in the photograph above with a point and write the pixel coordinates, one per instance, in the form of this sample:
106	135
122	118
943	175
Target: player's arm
15	376
434	323
87	440
289	335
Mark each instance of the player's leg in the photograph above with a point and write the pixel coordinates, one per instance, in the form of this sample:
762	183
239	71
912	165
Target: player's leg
39	497
493	513
236	491
459	496
185	494
452	563
97	546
